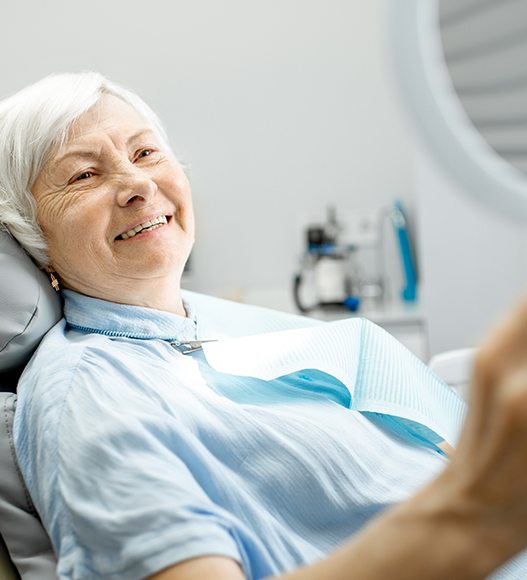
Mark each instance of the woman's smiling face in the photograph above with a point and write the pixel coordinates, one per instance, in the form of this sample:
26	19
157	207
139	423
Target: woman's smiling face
116	210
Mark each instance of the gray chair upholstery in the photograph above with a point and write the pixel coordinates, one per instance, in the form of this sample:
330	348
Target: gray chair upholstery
7	569
28	304
26	540
28	309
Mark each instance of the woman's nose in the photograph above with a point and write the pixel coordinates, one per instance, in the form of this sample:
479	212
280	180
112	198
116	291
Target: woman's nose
134	186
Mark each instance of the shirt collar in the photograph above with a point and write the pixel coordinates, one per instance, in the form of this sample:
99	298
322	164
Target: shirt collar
94	315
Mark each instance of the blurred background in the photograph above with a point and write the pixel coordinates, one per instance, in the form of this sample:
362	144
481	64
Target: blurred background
305	158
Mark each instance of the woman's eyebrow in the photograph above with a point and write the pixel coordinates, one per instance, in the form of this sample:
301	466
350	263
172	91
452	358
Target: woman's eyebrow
142	133
81	153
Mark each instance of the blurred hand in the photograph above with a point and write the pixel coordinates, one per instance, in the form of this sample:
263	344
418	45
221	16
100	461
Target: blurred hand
487	476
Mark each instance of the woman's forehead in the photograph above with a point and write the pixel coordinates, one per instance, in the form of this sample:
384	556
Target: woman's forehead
108	116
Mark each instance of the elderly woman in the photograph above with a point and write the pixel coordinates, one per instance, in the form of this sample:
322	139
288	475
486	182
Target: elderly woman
144	461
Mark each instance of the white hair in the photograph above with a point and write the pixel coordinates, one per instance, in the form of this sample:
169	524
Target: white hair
32	123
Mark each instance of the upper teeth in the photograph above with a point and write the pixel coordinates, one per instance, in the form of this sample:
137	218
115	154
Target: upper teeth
148	224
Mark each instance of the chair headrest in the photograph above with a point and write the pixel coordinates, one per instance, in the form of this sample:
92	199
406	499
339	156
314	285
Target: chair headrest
29	307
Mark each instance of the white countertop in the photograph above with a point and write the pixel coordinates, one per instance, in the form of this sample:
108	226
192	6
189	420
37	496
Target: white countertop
391	312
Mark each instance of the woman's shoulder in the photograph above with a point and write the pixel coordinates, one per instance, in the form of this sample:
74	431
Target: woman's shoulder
64	359
73	367
71	371
48	375
60	351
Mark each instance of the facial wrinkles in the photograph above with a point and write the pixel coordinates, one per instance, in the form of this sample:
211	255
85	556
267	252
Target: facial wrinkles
50	197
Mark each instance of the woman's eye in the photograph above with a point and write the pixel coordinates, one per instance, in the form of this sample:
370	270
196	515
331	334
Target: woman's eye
144	153
82	176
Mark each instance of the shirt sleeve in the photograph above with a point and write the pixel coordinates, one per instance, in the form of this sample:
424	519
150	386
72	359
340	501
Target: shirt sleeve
128	502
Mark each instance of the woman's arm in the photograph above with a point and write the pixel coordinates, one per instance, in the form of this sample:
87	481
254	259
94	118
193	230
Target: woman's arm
468	521
419	539
412	542
216	567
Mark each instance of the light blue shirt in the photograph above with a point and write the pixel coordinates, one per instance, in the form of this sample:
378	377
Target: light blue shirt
139	457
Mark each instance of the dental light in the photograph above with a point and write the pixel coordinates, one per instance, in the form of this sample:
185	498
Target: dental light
462	69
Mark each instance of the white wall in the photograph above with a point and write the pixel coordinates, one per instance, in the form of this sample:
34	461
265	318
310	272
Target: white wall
279	108
473	260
